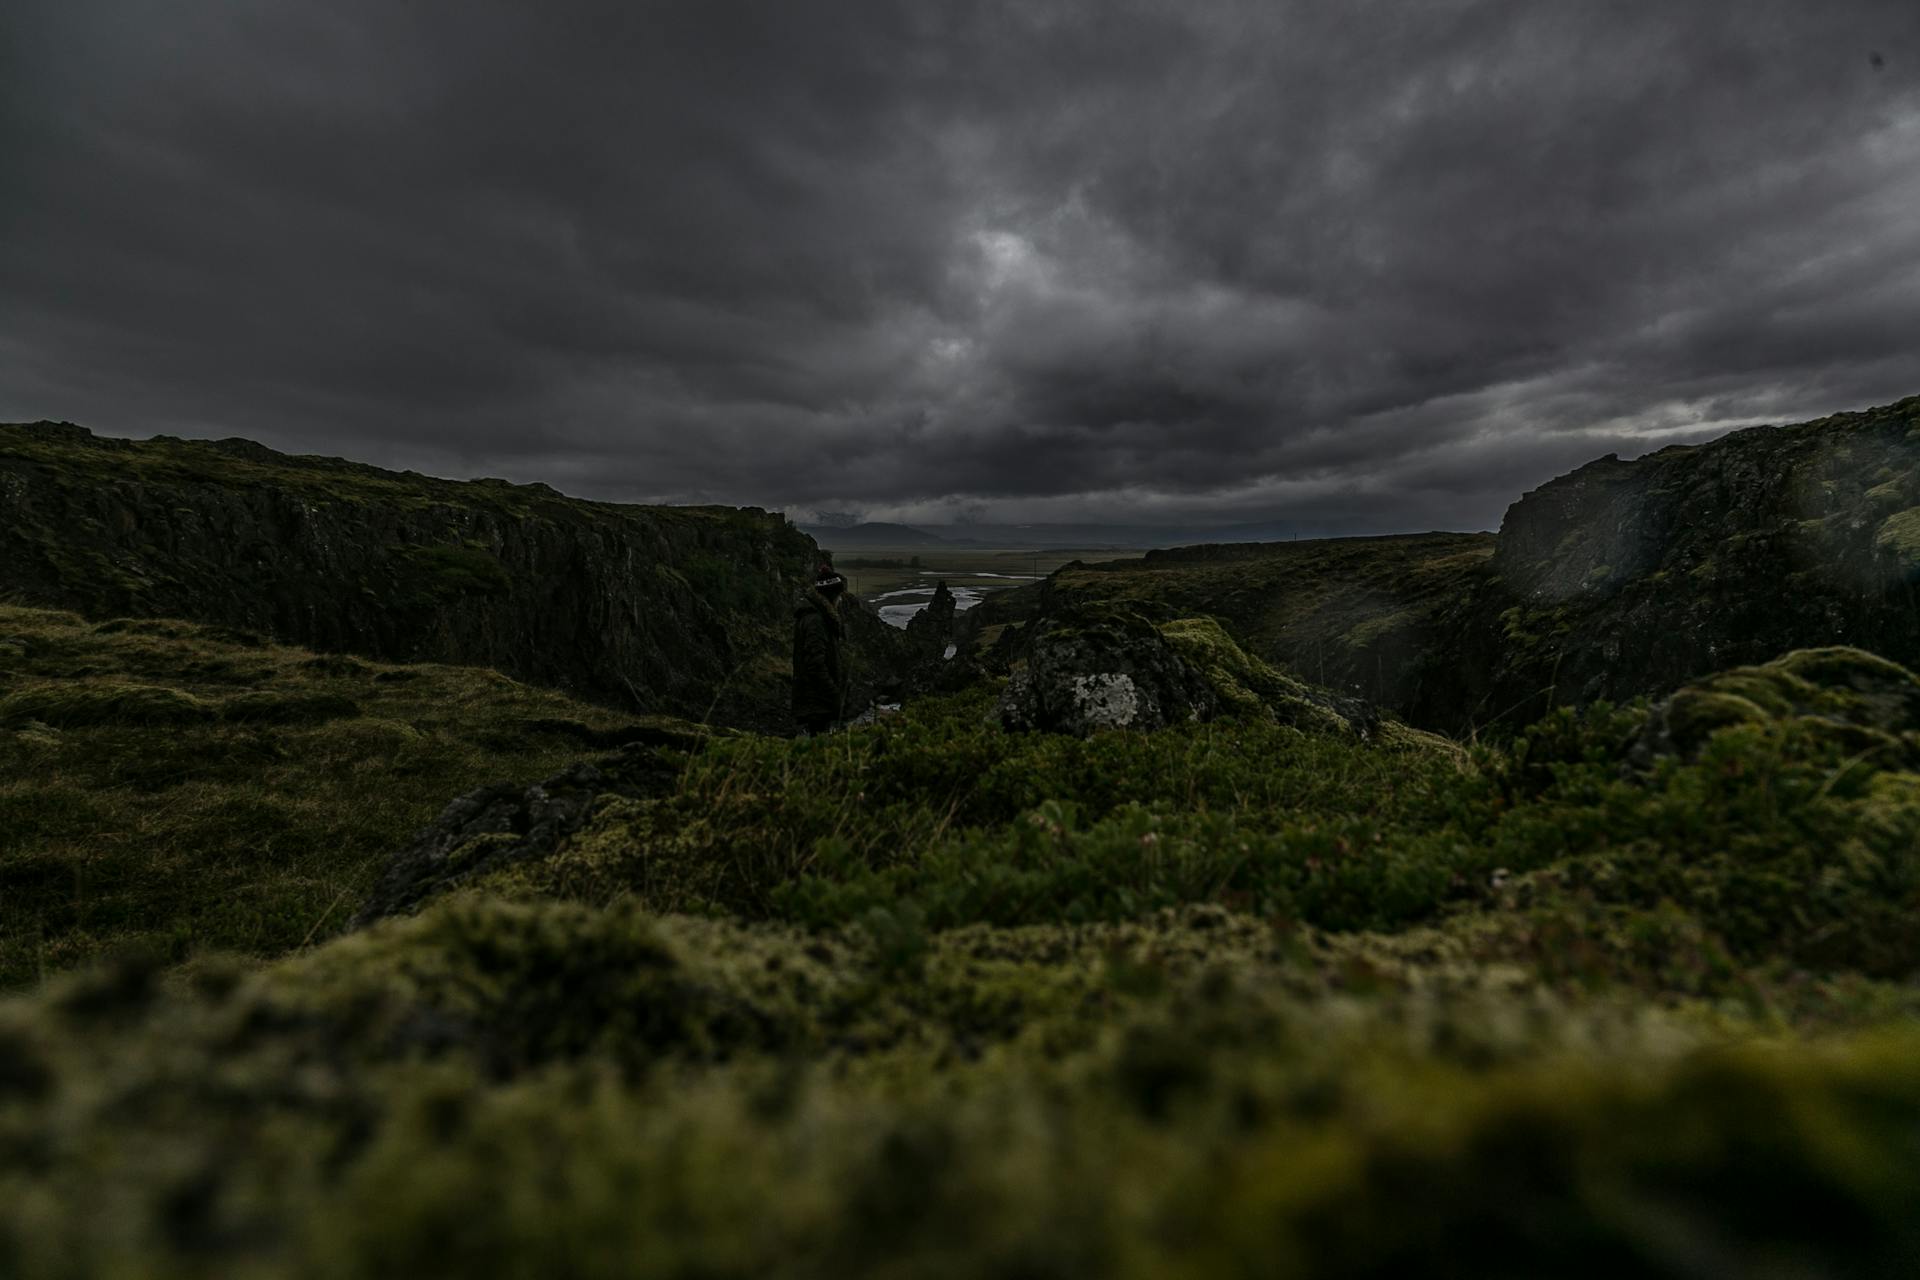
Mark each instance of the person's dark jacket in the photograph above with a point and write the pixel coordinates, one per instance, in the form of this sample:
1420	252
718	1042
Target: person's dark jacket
819	668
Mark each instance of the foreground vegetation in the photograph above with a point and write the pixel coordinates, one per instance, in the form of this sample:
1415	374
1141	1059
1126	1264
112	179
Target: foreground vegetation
1633	993
185	788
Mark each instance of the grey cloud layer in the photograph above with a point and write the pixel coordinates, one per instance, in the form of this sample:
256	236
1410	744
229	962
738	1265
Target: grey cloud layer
1391	261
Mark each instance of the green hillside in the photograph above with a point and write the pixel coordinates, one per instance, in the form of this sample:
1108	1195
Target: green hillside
1633	995
1621	579
1350	613
321	965
174	786
650	609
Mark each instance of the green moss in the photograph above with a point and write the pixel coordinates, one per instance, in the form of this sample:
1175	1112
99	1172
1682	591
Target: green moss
1900	535
1698	713
1245	683
1374	629
924	997
442	573
1394	736
281	708
164	787
1323	609
728	583
503	1090
94	703
1891	495
1848	696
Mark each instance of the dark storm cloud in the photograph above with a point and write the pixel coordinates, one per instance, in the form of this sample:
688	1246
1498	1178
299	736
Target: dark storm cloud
1014	260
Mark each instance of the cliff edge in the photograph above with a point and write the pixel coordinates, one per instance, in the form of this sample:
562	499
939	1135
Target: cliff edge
681	610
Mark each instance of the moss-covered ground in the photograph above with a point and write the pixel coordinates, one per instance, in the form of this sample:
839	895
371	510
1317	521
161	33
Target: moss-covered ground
1631	994
173	786
73	456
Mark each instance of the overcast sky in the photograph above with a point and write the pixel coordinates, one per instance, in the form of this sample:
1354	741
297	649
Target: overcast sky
1032	260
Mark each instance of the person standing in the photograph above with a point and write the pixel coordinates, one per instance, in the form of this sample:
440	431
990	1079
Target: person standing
819	666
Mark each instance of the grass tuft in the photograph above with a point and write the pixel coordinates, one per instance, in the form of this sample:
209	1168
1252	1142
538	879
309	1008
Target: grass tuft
165	787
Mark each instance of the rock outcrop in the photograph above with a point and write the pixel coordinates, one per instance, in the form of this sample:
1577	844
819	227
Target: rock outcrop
931	630
1625	579
1248	686
678	610
1620	580
1110	670
495	826
1096	669
1350	614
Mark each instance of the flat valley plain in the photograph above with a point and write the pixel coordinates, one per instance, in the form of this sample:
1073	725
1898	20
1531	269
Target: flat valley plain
871	571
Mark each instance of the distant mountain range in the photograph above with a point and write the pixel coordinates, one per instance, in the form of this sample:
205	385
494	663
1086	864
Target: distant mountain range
872	534
1131	537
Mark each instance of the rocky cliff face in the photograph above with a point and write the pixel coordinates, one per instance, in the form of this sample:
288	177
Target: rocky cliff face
1631	578
670	609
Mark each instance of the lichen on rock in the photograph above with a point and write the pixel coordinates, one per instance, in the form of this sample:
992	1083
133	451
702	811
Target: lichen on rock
1103	669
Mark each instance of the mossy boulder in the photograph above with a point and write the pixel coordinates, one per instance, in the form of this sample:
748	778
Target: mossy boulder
1854	698
1103	669
513	985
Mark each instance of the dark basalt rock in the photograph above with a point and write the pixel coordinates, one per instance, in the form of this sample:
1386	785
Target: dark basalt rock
673	610
1631	578
930	631
880	662
937	648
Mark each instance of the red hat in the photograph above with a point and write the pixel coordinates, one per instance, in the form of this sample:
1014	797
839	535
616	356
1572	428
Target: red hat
827	579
